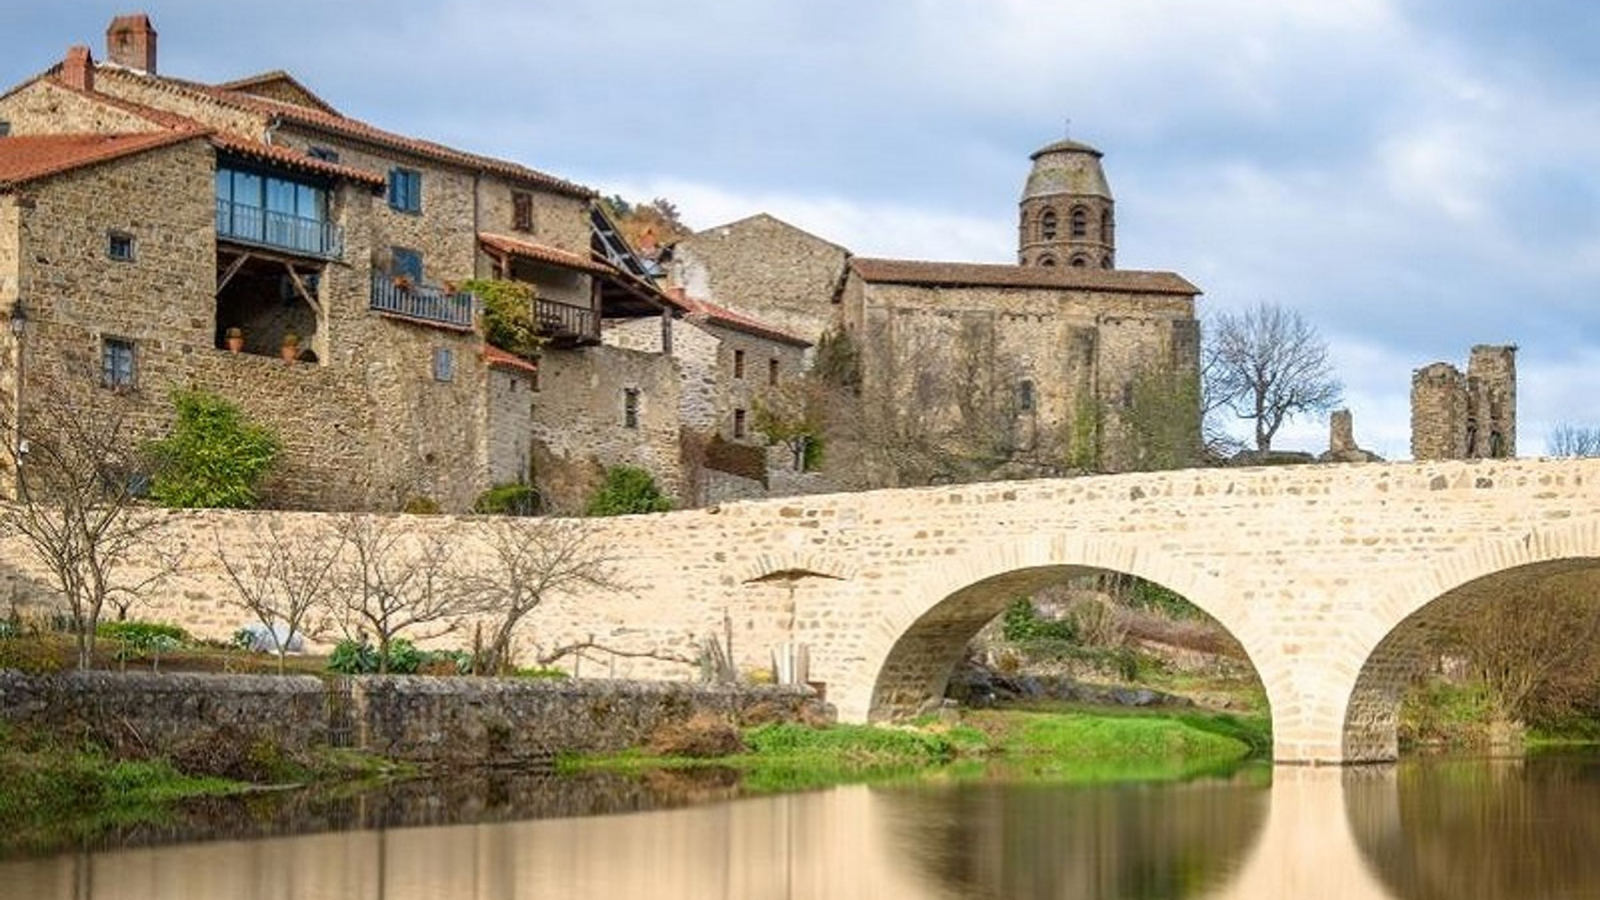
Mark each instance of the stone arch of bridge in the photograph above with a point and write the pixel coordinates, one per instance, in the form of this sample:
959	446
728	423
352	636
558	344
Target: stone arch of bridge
919	640
1416	611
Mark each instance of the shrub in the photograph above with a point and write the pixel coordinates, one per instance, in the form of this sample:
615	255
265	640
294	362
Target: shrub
213	457
420	506
508	321
512	499
141	633
1022	624
353	657
542	672
628	490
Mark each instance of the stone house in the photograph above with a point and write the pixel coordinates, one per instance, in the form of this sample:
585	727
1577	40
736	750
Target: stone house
1052	347
1471	416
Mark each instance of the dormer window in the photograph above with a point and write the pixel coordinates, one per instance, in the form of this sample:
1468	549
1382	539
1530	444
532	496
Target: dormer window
1047	225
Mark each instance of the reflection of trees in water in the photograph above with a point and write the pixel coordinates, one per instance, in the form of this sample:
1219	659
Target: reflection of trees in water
1482	828
1032	842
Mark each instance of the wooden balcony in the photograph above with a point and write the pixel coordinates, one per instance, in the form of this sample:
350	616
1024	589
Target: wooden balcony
564	323
422	303
245	224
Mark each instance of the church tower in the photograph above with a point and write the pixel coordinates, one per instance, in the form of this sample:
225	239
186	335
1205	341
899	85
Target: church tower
1067	210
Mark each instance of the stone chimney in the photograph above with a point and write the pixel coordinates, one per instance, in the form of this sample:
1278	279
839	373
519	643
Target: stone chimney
131	42
77	70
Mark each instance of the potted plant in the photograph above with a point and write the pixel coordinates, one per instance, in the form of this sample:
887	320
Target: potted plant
290	350
402	282
233	338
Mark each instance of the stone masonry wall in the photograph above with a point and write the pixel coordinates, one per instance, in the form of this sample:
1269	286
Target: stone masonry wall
456	721
510	429
44	107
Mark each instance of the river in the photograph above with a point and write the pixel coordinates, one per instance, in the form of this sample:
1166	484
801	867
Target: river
1422	829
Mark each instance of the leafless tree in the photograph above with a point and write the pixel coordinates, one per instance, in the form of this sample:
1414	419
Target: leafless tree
77	471
528	561
1567	439
287	578
392	580
1267	365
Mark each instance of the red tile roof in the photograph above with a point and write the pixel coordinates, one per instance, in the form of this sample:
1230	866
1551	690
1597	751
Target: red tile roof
294	159
356	129
721	315
944	274
494	356
30	158
499	243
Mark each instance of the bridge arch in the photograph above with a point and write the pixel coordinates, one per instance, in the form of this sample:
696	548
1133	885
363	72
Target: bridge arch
1420	607
919	640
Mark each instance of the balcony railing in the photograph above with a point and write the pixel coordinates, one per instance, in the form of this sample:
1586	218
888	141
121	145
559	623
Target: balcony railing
563	320
279	231
420	302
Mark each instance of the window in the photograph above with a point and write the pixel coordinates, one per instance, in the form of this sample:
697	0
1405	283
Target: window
1080	222
630	408
325	154
116	363
738	423
772	371
1025	396
5	128
1080	262
444	364
405	190
1105	262
406	264
1106	227
738	363
119	246
521	210
1047	225
1047	261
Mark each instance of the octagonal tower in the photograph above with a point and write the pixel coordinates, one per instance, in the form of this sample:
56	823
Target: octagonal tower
1067	210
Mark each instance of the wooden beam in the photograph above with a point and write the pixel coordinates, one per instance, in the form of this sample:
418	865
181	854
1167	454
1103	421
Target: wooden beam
233	269
300	288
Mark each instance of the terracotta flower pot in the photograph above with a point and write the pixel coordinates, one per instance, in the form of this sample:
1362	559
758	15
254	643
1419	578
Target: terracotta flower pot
289	352
235	343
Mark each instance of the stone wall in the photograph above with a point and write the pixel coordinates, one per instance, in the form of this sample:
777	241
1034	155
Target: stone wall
768	268
1471	416
457	721
510	428
44	107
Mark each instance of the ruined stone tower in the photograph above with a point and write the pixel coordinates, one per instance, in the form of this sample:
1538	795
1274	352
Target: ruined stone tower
1471	416
1067	217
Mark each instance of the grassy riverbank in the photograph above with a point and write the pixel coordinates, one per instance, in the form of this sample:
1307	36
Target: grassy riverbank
1065	744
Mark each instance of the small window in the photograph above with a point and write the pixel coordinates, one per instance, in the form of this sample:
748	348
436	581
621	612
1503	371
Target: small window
738	363
1106	226
406	264
521	210
444	364
117	363
405	190
5	128
1047	225
119	246
326	154
1047	261
1025	396
738	423
1080	222
630	408
1080	262
772	371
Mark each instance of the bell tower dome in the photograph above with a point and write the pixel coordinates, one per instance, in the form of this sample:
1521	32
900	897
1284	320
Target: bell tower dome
1067	217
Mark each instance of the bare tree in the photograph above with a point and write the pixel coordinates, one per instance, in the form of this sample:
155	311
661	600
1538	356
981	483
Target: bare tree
392	580
528	561
1567	439
1267	365
1534	646
76	508
286	579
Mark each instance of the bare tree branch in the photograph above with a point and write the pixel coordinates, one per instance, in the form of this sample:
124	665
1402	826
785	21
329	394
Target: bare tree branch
391	581
1267	365
288	578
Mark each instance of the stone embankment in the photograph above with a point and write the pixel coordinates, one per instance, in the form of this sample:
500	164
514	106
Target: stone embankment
439	721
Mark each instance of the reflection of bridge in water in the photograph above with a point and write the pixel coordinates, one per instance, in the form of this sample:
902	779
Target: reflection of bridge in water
1385	833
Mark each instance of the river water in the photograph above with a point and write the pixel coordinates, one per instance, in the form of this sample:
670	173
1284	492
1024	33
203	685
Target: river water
1519	830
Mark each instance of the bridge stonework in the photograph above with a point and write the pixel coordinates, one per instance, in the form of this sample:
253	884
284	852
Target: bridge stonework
1327	575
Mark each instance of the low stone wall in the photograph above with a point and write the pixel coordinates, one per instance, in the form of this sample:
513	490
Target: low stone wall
458	721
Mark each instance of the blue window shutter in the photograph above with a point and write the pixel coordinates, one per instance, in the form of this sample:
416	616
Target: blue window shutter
416	192
394	188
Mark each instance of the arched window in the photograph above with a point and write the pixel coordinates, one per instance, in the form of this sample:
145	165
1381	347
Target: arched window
1105	229
1025	396
1047	260
1497	445
1047	225
1080	261
1080	222
1472	439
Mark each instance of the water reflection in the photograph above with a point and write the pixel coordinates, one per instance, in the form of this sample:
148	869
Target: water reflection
1414	832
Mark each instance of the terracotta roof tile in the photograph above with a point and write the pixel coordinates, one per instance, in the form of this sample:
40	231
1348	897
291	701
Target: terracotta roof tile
949	274
494	356
499	243
29	158
294	159
721	315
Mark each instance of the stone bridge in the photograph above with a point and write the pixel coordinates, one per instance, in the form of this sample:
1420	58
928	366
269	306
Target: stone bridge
1330	577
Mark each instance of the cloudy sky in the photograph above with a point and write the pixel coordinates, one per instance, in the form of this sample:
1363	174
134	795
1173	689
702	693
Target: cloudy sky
1414	176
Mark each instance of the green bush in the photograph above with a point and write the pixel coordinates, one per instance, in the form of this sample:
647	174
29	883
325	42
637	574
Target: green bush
141	633
628	490
507	500
214	457
541	672
353	657
420	506
508	320
1022	624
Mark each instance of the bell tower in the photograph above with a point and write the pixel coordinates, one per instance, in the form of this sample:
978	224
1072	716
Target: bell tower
1067	210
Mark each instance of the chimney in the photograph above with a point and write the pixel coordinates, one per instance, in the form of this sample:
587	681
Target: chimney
131	42
78	68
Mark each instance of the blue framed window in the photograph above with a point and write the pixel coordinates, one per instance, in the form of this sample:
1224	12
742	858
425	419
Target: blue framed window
407	263
119	246
117	363
444	364
405	190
